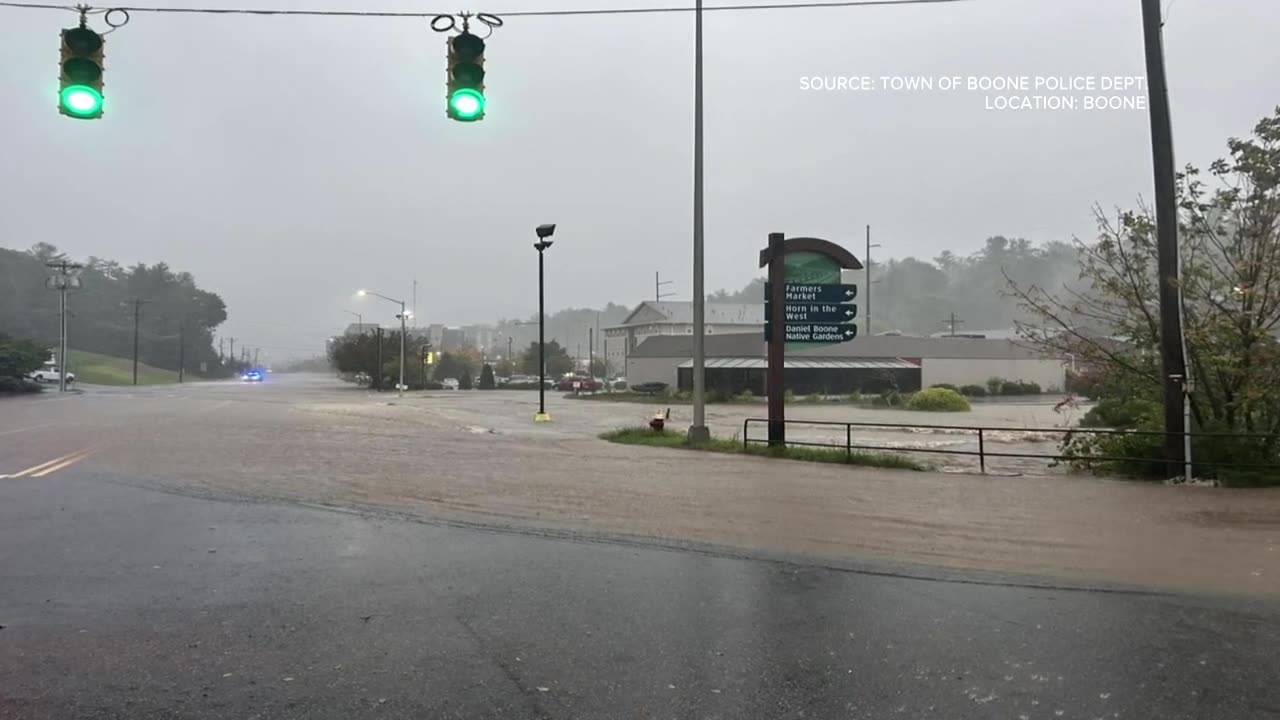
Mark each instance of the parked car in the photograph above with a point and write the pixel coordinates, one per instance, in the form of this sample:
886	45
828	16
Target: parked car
49	373
450	383
579	383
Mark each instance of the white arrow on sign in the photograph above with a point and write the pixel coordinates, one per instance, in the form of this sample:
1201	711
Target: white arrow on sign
848	333
848	313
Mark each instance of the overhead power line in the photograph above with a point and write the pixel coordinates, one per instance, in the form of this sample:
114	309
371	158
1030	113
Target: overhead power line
817	4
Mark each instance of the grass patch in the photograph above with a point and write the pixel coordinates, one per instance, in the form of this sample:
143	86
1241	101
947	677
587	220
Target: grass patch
673	439
98	369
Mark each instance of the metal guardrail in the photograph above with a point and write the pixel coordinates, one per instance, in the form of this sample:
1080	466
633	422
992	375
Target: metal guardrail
981	432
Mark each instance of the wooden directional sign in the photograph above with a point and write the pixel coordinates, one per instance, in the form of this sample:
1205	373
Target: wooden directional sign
830	293
815	312
815	332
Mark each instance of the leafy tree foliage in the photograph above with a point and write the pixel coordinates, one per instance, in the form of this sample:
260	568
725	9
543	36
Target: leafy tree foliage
1229	239
101	310
557	358
18	358
487	381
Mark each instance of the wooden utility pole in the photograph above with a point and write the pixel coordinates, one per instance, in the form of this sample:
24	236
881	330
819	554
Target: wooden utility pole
182	348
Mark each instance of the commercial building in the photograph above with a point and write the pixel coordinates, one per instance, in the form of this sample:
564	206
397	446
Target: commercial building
866	364
658	319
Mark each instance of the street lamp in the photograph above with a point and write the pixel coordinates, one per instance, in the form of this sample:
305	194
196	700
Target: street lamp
544	241
402	316
359	319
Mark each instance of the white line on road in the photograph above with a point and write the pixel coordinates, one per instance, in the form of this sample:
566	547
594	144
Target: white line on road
25	429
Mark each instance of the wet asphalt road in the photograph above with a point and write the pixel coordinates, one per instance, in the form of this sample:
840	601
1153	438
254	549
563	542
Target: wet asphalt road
120	601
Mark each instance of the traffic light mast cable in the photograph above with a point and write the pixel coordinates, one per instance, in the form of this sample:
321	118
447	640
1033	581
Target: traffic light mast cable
816	4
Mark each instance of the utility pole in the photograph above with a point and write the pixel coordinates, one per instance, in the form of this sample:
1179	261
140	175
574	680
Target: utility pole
509	358
698	431
866	304
232	353
657	287
219	349
255	356
952	324
415	297
137	314
62	282
182	348
591	354
1172	349
378	372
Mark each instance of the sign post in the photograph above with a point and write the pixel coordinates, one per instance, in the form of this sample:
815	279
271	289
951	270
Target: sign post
805	304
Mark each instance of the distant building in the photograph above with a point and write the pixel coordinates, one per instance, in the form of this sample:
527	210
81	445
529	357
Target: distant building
481	337
866	364
651	319
451	338
359	329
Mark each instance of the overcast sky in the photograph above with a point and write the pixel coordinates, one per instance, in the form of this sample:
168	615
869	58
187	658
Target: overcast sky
287	162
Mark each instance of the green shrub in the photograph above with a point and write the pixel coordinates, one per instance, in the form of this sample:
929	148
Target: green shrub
1142	456
889	399
745	396
1121	414
13	385
714	396
855	397
973	391
993	385
938	399
788	397
1017	387
947	386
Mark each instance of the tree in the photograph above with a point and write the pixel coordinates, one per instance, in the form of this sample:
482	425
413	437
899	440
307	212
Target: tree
464	380
451	365
600	367
1229	240
487	381
558	360
18	358
505	368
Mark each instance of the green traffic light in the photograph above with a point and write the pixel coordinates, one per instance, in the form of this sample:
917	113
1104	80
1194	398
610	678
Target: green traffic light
81	100
467	104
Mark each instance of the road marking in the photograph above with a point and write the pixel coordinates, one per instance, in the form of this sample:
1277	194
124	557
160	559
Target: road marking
68	459
77	457
26	429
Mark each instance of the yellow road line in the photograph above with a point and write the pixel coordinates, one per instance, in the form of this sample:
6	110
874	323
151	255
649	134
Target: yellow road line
65	464
71	457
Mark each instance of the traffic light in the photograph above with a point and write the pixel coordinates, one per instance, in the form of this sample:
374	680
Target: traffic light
466	77
80	92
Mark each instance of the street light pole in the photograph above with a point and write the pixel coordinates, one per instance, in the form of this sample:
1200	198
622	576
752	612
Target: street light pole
402	317
402	334
542	358
698	432
544	241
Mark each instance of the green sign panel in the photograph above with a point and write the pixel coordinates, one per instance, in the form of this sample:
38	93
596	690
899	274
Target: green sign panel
809	268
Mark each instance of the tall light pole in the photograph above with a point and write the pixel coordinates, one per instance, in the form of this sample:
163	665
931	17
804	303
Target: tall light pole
698	432
402	315
359	319
866	304
544	241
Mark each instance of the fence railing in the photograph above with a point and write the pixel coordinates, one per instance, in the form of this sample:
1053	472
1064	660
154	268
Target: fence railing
983	434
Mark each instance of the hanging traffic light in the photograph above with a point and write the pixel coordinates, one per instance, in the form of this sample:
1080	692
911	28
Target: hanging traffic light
80	92
466	77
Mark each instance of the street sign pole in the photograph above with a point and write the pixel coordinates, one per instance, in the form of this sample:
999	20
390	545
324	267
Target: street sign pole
812	310
777	343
